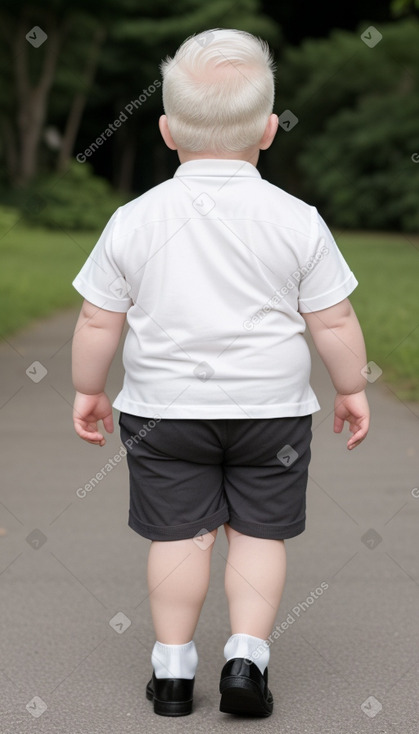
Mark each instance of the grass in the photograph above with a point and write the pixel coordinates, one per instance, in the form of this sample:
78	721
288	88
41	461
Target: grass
386	302
38	267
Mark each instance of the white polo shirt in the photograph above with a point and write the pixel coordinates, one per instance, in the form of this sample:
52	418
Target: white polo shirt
214	268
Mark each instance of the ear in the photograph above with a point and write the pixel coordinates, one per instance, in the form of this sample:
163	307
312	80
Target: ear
270	132
165	133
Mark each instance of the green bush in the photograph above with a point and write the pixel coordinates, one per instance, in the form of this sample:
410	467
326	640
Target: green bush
357	107
74	200
364	167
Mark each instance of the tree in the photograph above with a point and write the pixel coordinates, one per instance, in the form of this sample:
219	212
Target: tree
131	66
49	73
356	113
34	37
364	165
404	7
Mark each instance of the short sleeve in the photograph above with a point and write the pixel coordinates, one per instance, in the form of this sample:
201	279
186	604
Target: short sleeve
100	280
325	278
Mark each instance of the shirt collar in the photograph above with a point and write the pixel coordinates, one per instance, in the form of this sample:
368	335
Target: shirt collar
221	167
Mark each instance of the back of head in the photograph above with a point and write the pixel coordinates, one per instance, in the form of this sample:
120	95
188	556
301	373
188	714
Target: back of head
218	91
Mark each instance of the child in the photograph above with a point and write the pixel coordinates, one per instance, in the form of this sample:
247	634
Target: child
218	273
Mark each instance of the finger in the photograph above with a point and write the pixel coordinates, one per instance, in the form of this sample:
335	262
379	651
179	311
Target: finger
97	443
108	423
353	445
90	436
338	424
357	437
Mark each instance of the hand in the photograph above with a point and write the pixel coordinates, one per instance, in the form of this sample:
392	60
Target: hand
354	409
87	411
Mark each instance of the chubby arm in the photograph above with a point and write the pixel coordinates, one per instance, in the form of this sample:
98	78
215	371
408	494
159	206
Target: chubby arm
339	341
95	341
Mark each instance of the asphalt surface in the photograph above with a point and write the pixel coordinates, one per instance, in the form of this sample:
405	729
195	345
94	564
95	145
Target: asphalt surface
76	631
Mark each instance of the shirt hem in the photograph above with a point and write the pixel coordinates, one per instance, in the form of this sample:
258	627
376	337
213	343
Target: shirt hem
288	410
331	298
106	302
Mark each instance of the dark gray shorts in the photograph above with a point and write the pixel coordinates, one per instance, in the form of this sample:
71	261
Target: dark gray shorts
189	476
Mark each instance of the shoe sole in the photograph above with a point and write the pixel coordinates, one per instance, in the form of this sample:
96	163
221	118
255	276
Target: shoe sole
243	697
169	708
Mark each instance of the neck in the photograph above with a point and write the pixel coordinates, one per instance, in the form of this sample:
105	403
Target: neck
251	155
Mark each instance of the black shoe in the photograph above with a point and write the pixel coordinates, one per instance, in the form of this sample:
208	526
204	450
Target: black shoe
244	690
171	696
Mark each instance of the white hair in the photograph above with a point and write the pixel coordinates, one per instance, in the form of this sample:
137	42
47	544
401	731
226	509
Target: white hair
218	91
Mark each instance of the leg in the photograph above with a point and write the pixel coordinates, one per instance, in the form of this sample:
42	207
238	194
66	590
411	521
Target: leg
178	577
254	581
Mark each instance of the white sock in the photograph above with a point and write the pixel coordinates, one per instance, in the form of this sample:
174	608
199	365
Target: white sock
241	645
174	661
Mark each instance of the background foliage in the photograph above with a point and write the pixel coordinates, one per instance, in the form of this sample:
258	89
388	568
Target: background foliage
354	152
350	153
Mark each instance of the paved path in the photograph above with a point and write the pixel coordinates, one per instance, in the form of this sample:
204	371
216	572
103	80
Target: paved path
344	661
